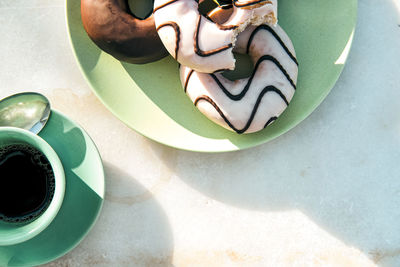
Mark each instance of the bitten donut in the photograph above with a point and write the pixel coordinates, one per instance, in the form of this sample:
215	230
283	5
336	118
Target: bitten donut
251	104
199	43
114	29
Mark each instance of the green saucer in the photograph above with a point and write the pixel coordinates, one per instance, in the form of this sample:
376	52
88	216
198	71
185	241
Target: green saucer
84	194
150	99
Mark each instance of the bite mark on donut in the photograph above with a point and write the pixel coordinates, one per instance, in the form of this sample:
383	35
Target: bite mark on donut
219	17
245	13
251	4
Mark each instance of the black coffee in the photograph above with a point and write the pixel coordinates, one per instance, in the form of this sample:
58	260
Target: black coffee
26	183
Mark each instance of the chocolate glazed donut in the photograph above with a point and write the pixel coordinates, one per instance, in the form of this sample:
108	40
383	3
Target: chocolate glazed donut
117	31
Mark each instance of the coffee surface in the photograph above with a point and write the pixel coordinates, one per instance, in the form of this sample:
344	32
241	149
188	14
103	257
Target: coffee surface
26	183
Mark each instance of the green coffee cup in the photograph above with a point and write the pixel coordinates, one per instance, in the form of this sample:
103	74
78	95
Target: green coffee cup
11	232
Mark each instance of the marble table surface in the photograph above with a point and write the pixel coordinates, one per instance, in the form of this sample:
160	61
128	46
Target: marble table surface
327	193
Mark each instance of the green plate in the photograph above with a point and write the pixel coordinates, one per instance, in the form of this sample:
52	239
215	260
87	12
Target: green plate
84	194
150	99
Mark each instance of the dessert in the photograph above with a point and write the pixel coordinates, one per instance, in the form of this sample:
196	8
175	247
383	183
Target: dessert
248	105
116	30
201	44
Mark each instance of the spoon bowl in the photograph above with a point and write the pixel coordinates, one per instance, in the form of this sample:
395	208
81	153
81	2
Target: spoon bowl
29	111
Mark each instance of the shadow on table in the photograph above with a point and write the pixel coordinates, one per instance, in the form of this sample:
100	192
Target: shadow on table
348	184
133	223
338	169
132	229
355	201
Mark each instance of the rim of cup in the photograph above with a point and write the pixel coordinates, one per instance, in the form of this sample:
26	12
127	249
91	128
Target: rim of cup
14	233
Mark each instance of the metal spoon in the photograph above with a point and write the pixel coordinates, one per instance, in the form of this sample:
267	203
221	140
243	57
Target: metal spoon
29	111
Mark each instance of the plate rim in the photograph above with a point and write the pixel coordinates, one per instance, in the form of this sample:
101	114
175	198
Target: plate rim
232	148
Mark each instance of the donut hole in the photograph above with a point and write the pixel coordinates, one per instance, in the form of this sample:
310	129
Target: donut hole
243	68
214	12
140	8
206	6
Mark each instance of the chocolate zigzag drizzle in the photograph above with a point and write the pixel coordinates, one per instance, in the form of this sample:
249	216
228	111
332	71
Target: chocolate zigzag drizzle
202	53
187	80
249	82
251	3
177	34
197	49
247	86
276	36
267	89
265	57
271	120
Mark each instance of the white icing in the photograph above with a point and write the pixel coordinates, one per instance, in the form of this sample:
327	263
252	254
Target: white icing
238	112
256	16
185	14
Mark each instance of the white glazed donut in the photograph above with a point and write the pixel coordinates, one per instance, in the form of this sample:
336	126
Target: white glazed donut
251	104
197	42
